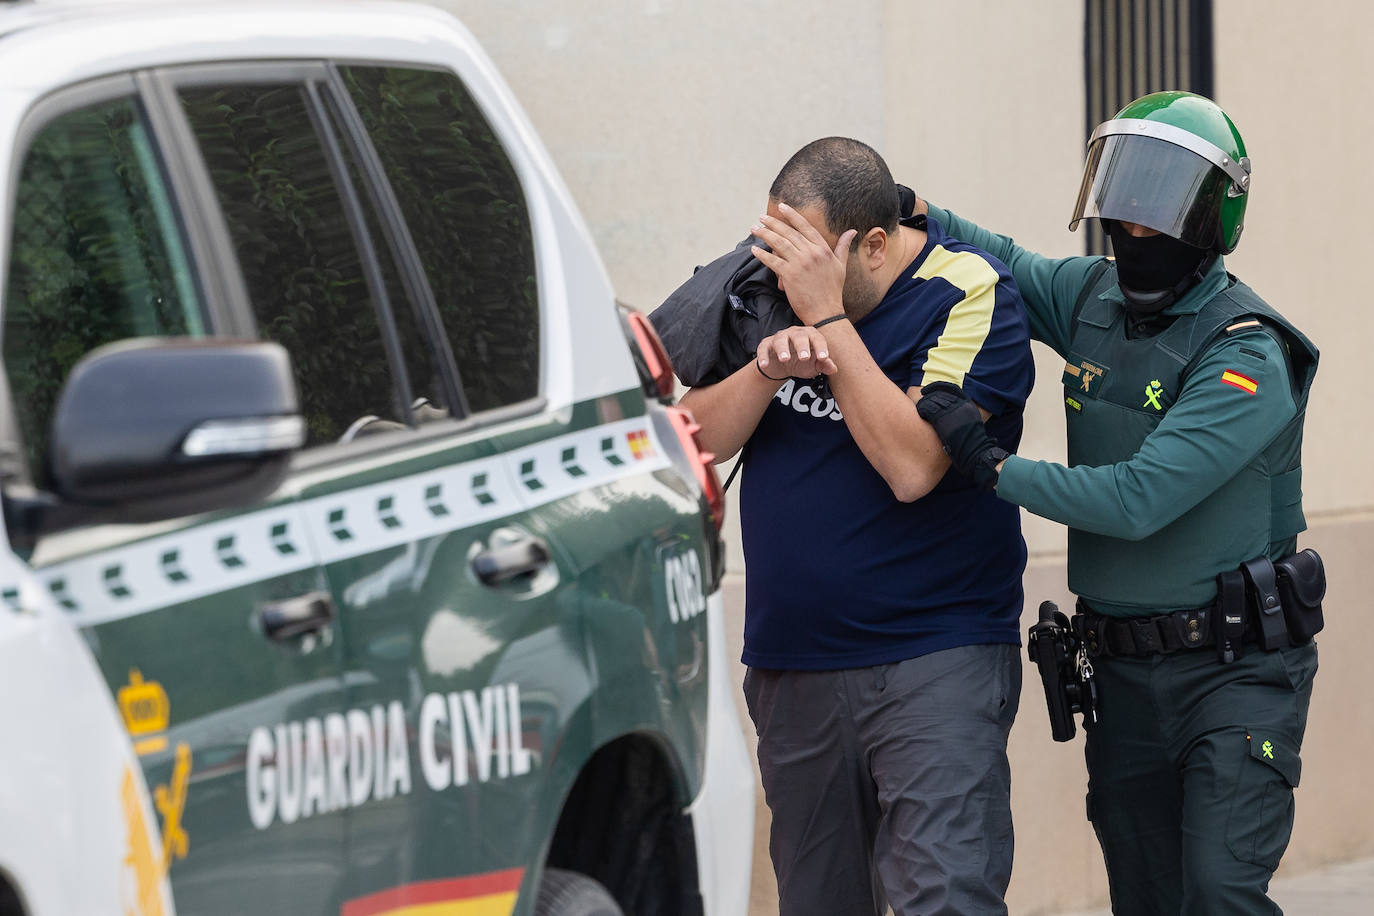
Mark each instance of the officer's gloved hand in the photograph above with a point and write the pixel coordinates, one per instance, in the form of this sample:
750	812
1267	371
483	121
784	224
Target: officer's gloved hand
959	424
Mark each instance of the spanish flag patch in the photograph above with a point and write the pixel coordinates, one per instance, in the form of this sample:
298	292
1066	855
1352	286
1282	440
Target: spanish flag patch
1243	382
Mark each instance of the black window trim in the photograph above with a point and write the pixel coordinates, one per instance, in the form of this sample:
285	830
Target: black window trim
223	292
367	250
397	232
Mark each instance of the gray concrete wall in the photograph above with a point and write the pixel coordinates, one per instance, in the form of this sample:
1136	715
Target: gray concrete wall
668	120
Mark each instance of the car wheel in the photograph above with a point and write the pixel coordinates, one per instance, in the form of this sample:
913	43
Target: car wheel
567	893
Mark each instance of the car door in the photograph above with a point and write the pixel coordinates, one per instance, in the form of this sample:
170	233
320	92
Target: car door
450	588
467	612
390	474
213	631
533	624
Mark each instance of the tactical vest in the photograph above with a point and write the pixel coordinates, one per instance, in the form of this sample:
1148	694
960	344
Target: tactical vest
1110	412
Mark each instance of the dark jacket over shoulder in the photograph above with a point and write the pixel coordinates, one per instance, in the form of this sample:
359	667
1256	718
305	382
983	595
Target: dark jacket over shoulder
713	324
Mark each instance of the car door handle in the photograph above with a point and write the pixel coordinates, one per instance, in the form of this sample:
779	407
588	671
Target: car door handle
499	564
292	617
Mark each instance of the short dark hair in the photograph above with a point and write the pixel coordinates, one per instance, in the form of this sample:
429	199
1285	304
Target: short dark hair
848	180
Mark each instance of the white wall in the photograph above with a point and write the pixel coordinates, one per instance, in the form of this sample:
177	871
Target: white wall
1296	78
669	119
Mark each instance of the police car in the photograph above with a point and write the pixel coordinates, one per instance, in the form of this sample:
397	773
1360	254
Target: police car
74	804
326	445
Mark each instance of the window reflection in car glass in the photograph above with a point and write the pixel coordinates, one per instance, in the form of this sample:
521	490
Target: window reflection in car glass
95	258
466	210
300	265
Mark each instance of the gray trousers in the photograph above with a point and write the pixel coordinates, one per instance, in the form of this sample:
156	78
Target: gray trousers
890	784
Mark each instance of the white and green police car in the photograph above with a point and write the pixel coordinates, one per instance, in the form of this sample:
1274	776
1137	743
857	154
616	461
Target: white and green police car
321	425
77	831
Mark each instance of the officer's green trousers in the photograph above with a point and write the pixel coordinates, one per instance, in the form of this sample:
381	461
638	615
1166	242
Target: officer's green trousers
1191	769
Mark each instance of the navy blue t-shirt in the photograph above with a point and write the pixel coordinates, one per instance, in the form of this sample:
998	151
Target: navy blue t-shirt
838	572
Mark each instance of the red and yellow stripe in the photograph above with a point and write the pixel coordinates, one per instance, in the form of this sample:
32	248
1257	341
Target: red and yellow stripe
1243	382
490	894
641	446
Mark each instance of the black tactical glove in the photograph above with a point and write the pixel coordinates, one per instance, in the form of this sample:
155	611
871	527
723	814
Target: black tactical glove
959	424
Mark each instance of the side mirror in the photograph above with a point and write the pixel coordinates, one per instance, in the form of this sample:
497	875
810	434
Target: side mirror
155	428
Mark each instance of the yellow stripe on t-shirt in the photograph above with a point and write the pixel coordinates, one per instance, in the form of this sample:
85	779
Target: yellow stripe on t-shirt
967	325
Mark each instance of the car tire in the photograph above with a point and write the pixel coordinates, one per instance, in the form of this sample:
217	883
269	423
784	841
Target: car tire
568	893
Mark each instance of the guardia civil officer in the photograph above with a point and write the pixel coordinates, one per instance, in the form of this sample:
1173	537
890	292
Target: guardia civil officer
1185	395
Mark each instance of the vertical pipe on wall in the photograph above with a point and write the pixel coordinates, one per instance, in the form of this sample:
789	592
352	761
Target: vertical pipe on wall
1132	47
1202	77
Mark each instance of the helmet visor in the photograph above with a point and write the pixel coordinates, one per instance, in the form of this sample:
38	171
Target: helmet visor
1154	183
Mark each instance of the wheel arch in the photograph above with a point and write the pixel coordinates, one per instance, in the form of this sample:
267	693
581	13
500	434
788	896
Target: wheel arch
11	900
624	823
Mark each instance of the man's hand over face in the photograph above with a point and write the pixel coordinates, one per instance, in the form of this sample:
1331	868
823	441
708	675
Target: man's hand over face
810	270
795	351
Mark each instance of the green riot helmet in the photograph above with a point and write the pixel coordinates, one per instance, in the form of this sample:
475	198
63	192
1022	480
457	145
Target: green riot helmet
1174	162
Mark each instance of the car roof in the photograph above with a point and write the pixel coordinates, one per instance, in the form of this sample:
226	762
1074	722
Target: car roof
17	15
46	44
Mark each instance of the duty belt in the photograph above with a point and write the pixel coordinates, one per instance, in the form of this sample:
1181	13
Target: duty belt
1191	628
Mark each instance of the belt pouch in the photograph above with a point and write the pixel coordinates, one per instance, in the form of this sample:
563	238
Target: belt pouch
1301	581
1192	629
1230	622
1091	631
1263	593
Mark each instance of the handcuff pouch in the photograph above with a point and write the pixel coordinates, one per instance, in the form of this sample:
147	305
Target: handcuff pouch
1301	581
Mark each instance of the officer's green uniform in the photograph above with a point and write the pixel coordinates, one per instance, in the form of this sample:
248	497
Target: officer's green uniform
1184	451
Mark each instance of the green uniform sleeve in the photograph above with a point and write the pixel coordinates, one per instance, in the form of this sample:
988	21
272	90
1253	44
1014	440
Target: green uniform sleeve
1215	428
1049	287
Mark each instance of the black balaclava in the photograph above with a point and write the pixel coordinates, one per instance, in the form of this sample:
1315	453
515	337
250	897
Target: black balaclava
1154	271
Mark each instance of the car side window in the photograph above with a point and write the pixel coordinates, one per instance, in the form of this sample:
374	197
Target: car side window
299	261
95	257
466	210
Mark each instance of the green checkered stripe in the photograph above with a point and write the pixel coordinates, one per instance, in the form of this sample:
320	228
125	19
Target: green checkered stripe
194	562
425	505
189	564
